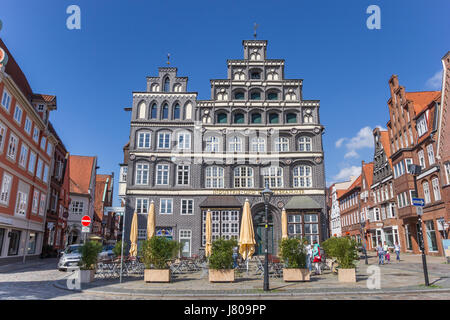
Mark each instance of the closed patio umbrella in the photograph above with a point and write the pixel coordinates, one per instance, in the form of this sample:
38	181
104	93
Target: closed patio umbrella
134	235
208	233
151	221
284	224
247	235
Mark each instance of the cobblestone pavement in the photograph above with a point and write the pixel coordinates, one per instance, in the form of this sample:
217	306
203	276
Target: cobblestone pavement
399	281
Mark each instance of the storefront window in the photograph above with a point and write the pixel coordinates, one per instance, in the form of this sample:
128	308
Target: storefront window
431	236
225	223
389	237
32	243
14	241
2	236
408	238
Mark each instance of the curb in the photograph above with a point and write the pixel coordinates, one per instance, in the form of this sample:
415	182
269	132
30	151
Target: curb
280	294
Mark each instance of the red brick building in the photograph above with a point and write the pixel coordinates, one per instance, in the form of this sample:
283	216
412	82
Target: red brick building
350	210
105	224
443	143
26	153
58	208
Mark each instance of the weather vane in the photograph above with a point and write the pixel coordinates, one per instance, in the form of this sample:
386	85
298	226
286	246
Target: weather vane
254	28
168	58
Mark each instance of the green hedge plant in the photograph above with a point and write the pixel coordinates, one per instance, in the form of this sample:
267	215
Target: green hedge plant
157	251
344	250
117	250
222	254
89	254
293	253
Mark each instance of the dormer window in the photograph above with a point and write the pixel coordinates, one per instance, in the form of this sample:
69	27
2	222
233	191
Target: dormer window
239	95
272	96
255	96
222	118
238	118
41	107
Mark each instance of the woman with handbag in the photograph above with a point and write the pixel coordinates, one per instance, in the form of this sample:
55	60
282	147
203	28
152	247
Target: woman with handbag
317	258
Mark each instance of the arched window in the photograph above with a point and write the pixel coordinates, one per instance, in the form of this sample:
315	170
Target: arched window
304	144
256	95
214	177
243	177
274	118
155	87
273	176
165	112
177	87
255	75
281	144
188	112
177	112
302	177
272	76
239	76
307	119
239	95
222	118
290	95
255	56
272	96
167	85
258	144
256	118
154	111
235	144
141	110
212	144
238	118
291	118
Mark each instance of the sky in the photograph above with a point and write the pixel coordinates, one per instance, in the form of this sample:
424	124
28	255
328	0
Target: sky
94	70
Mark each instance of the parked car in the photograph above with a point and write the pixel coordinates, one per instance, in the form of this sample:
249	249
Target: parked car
107	253
70	257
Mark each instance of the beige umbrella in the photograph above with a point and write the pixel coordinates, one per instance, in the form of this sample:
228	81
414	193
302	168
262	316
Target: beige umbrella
134	235
208	233
151	221
284	224
247	235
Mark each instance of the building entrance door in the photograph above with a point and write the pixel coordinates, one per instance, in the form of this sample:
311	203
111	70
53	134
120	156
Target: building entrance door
260	236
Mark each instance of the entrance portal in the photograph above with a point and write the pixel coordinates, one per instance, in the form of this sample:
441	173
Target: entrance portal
260	236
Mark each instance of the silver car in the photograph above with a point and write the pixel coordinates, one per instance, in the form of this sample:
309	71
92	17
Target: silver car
70	257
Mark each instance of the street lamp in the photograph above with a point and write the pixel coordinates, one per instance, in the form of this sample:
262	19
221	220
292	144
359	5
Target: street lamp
363	224
266	194
415	170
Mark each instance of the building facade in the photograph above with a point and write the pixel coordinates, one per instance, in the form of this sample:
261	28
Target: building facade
26	153
104	198
189	155
83	172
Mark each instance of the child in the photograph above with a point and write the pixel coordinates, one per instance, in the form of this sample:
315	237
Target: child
388	257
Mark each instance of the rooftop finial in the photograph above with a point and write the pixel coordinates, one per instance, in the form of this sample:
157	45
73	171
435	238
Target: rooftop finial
168	58
254	28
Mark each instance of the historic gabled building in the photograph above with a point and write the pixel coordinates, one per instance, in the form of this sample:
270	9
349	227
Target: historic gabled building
336	190
190	155
351	210
382	212
26	153
104	221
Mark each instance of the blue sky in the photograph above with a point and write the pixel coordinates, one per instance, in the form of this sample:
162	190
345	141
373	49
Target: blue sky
93	71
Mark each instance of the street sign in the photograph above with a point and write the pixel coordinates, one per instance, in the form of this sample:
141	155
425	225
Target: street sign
85	229
419	211
418	202
86	221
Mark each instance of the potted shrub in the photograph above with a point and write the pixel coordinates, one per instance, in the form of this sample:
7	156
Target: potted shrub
88	263
293	255
156	252
345	251
117	250
221	261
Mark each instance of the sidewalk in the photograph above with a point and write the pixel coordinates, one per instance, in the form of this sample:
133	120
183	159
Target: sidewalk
404	276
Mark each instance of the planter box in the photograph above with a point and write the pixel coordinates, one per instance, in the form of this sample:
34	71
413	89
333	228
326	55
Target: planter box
157	275
347	275
226	275
87	276
296	274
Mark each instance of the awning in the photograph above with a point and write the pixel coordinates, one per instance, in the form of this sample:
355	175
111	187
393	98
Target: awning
302	202
221	202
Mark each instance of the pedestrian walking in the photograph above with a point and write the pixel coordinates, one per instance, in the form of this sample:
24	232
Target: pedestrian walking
380	252
386	252
397	251
317	258
309	251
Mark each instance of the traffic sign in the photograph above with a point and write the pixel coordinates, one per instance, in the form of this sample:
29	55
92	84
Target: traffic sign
86	221
419	202
85	229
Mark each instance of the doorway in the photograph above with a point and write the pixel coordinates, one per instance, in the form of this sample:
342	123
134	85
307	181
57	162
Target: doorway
260	237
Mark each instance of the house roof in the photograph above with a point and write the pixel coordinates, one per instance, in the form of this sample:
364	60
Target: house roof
14	71
81	171
368	173
354	185
422	99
